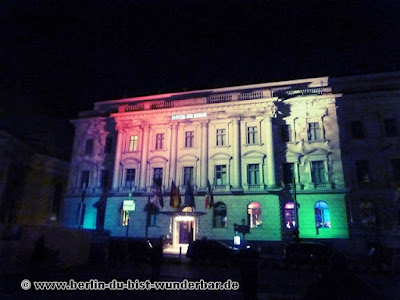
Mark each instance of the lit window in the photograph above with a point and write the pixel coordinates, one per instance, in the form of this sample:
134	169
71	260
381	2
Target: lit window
220	175
220	137
254	214
252	135
395	168
362	169
124	217
187	175
322	219
290	219
109	144
130	178
318	172
189	138
133	142
357	130
159	140
253	174
390	127
89	147
286	133
85	179
314	131
157	176
288	172
219	215
105	179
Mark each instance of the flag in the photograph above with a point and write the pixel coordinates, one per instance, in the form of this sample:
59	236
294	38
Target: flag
157	198
209	200
175	200
189	196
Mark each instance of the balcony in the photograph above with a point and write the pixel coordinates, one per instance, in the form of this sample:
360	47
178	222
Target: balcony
132	107
219	98
161	104
258	94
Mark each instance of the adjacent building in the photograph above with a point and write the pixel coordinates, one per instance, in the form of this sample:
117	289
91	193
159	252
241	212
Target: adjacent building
272	156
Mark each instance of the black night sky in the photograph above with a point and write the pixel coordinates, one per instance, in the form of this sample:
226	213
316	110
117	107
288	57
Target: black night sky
59	57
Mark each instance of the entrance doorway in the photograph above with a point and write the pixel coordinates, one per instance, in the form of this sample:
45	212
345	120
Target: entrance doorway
184	230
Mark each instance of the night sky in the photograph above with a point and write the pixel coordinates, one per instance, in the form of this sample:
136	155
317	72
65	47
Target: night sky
58	57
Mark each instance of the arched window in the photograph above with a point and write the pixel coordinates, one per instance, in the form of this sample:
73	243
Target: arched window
219	217
322	219
254	214
290	219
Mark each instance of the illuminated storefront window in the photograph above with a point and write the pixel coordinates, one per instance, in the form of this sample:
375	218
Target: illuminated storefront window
219	215
290	220
322	219
254	214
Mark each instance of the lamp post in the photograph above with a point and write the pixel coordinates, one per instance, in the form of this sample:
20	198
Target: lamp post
81	210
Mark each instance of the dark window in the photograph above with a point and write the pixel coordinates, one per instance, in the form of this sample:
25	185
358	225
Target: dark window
85	179
157	175
314	131
220	175
159	141
322	218
219	216
318	172
395	168
252	135
362	169
286	133
390	127
288	172
253	174
89	147
105	179
189	138
109	144
254	214
220	137
187	175
357	130
58	191
130	178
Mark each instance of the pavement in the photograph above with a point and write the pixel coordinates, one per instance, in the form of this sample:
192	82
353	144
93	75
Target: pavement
273	282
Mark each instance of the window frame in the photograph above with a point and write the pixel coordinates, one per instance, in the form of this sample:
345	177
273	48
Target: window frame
252	132
133	143
325	221
220	215
189	139
132	185
185	174
256	172
159	141
254	215
314	134
220	137
223	175
322	180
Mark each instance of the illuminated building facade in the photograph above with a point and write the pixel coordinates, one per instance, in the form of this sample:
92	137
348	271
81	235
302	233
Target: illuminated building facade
250	144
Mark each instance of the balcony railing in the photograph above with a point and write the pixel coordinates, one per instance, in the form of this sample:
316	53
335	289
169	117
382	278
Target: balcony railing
219	98
134	107
161	104
251	95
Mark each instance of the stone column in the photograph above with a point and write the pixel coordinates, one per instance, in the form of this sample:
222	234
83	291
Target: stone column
270	153
236	172
118	153
173	153
204	155
143	161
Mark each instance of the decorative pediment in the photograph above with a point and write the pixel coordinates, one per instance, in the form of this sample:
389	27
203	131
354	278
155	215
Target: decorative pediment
254	153
220	156
130	160
187	157
155	159
293	156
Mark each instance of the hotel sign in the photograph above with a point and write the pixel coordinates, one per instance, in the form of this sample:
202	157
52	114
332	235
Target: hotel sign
129	205
189	116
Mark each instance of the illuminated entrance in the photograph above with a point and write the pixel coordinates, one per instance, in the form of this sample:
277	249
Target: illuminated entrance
184	231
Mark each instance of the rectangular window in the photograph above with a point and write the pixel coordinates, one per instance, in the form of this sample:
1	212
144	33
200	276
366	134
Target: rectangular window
357	130
286	133
108	145
130	178
157	175
395	168
362	169
314	131
133	142
253	174
318	172
390	127
220	175
105	179
89	147
252	135
288	173
221	137
159	141
85	179
189	138
187	175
